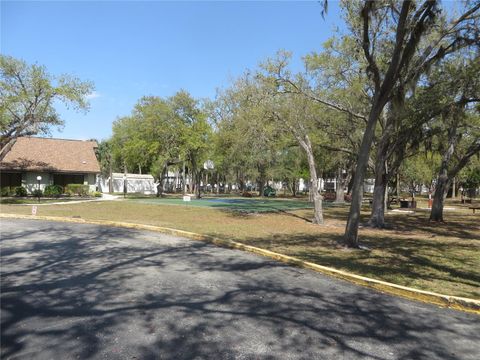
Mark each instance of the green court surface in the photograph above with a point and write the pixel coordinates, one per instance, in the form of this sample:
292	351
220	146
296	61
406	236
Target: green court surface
234	204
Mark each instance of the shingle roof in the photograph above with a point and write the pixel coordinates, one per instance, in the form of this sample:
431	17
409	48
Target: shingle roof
52	155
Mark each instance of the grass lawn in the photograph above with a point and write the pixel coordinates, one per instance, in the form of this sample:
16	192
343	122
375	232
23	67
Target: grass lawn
444	257
34	200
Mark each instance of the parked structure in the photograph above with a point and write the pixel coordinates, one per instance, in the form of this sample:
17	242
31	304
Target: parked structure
37	162
135	183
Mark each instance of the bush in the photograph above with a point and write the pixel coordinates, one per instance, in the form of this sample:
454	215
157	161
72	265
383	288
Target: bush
329	196
37	193
96	194
77	189
20	191
6	191
53	190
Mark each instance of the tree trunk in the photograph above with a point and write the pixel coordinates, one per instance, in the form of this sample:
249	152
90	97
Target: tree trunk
184	179
441	190
261	181
110	180
443	180
316	196
177	179
377	217
294	187
165	178
350	182
160	182
351	230
261	184
454	188
317	203
340	191
198	190
397	185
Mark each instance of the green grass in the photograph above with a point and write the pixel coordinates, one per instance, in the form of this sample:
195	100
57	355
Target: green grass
439	257
34	200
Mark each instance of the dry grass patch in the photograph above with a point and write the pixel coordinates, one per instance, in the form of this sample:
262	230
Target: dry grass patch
444	258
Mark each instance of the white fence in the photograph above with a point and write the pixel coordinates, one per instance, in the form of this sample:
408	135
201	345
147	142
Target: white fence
135	183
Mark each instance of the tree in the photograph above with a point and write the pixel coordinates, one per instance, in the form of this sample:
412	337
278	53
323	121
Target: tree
147	140
194	133
320	104
27	96
401	133
458	121
297	115
392	64
104	156
420	169
470	177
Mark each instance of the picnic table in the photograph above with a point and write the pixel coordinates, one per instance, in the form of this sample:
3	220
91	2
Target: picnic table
408	204
474	208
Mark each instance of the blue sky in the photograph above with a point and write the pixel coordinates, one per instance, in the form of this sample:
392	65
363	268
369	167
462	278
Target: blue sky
131	49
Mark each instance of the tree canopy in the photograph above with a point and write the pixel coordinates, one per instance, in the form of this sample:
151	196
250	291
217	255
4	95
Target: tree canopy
27	96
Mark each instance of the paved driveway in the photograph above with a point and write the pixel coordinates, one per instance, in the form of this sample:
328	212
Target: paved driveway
73	291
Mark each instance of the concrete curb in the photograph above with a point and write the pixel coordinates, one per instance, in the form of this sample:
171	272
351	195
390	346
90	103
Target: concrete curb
453	302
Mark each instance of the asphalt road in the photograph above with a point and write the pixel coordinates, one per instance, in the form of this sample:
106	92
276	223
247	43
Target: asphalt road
73	291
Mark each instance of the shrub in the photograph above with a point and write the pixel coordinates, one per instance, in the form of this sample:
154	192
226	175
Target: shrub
20	191
96	194
6	191
53	190
77	189
37	193
329	196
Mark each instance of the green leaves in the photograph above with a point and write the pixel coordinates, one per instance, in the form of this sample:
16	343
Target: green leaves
162	131
27	95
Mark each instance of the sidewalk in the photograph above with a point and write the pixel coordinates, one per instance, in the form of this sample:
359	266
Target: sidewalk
105	197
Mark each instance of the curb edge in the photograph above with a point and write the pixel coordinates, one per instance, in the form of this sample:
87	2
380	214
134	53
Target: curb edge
448	301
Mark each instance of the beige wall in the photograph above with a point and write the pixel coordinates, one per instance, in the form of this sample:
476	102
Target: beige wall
91	181
29	180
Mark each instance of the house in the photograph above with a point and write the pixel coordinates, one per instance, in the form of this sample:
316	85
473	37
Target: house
56	161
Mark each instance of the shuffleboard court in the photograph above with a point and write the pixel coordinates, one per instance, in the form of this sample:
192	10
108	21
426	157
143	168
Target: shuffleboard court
234	204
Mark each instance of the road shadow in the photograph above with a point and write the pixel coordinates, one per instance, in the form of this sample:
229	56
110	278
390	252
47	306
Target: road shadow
93	292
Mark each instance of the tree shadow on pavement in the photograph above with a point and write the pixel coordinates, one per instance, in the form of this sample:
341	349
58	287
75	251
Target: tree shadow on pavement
104	292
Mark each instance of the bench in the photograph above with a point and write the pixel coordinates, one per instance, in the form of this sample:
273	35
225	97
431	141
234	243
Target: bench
474	208
407	204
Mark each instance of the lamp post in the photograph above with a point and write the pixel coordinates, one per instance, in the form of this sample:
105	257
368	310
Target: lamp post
124	185
39	178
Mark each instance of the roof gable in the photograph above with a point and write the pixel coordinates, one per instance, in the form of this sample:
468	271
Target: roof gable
52	155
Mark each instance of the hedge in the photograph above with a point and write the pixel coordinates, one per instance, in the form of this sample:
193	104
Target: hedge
20	191
77	189
53	190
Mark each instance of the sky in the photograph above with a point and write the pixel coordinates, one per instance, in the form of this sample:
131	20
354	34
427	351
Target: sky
131	49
